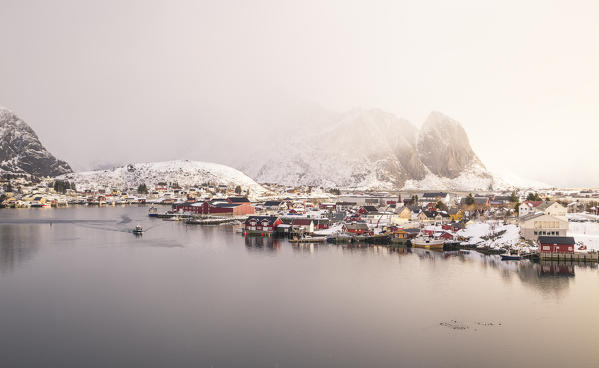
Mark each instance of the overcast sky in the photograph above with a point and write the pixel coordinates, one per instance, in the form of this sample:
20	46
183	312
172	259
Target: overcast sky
109	81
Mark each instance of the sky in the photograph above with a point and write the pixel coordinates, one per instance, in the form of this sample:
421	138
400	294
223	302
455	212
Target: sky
117	81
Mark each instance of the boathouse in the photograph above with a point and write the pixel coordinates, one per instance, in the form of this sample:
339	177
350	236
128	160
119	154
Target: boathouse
556	244
261	224
358	228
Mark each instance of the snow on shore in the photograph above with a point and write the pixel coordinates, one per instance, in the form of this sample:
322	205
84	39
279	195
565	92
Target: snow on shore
493	234
585	232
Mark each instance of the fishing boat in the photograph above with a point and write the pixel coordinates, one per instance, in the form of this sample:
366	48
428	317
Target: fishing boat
138	230
510	257
428	243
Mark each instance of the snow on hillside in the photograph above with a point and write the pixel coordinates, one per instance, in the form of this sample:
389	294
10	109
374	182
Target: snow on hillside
185	173
474	178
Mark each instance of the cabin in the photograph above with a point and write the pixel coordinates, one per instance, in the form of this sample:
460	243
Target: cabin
358	228
556	244
261	224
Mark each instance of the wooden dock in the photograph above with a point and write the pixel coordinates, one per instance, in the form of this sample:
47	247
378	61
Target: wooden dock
570	257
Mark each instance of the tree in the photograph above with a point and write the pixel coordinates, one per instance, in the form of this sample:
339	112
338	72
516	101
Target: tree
441	206
517	208
469	200
513	198
533	197
238	189
142	189
335	191
9	187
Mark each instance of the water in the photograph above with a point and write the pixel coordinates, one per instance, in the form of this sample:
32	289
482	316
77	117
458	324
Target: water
77	289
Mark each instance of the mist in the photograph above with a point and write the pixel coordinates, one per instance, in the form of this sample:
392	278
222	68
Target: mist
113	82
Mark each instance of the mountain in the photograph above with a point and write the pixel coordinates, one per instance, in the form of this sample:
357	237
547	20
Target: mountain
21	151
185	173
373	149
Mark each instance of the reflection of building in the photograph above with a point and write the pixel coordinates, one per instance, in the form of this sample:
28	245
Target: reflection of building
556	269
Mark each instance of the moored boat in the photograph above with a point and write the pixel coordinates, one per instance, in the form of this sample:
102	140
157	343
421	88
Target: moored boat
428	243
510	257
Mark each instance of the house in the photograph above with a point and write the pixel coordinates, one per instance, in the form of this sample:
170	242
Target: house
435	197
553	208
404	213
540	224
328	206
274	205
357	228
261	224
303	223
528	207
321	223
368	210
556	244
456	214
447	235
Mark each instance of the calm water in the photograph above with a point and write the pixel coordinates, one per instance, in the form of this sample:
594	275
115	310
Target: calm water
78	290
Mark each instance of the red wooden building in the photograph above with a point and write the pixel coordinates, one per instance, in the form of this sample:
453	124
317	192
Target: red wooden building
229	206
261	224
358	228
556	244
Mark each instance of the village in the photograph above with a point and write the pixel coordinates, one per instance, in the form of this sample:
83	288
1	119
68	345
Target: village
550	224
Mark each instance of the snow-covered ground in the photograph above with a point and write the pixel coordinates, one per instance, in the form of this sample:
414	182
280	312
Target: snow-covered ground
586	233
496	233
185	173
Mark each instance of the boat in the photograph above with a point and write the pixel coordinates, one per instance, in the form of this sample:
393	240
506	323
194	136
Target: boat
309	239
428	243
510	257
138	230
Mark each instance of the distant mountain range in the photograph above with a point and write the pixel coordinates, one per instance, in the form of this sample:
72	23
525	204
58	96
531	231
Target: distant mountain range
360	149
373	149
21	151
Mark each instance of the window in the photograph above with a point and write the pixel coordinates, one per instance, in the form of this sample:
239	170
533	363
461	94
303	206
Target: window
545	247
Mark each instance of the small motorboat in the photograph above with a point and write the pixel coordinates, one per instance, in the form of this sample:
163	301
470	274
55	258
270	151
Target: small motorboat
510	257
138	230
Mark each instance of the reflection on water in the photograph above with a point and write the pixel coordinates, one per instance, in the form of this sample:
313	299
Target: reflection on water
18	244
183	295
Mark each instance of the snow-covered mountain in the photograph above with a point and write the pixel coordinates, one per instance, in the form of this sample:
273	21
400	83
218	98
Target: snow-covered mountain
185	173
373	149
21	151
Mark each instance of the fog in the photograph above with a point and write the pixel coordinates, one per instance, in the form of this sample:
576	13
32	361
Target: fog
118	81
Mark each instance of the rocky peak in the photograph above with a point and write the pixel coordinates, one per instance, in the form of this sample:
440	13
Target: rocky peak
21	150
443	146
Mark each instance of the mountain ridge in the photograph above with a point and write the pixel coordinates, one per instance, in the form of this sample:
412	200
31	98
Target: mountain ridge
21	151
374	149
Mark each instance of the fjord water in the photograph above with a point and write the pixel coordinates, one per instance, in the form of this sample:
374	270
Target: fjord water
77	289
